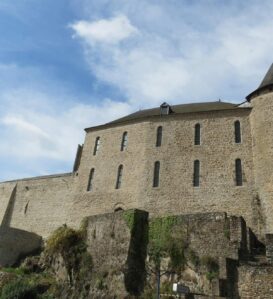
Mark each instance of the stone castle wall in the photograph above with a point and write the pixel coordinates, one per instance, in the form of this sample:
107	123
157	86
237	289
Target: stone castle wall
255	282
262	126
116	241
175	194
37	205
41	204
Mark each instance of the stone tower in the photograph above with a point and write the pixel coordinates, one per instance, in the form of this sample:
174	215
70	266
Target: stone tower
262	135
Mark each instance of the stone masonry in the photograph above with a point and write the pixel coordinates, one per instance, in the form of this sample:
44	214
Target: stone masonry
42	204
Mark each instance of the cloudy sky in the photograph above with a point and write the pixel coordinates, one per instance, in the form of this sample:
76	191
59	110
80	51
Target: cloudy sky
70	64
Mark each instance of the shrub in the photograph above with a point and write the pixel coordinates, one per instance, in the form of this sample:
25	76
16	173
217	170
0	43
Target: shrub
100	284
193	258
163	244
19	289
212	267
210	263
148	293
62	239
176	252
17	271
211	275
70	244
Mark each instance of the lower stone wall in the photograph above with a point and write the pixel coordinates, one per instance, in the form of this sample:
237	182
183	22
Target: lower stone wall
216	234
255	282
117	243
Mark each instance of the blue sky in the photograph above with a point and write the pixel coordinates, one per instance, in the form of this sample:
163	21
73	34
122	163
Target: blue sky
69	64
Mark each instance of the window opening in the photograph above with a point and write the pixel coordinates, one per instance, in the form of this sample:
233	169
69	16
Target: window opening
97	146
90	181
119	176
159	136
196	173
197	134
156	174
237	128
124	141
238	170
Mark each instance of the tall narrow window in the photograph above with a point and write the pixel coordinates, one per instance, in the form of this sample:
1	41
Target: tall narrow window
196	173
238	171
124	141
156	174
97	146
90	180
119	176
159	136
197	134
237	128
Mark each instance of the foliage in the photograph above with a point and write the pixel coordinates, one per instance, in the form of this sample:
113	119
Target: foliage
83	227
176	250
70	244
166	288
17	271
211	275
163	242
159	235
100	282
19	289
149	293
227	230
30	284
129	217
227	233
62	239
210	263
193	258
212	267
27	285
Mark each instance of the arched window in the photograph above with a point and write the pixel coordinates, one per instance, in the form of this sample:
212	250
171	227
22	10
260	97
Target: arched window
91	179
156	174
119	176
97	146
237	131
238	172
159	136
197	134
124	141
196	173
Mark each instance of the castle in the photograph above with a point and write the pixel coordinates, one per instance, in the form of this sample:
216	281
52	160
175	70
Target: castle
206	157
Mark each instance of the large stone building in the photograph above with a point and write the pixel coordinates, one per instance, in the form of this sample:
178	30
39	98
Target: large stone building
206	157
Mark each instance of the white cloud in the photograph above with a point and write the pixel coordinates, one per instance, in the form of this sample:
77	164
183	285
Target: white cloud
39	134
110	31
174	51
35	134
183	52
22	125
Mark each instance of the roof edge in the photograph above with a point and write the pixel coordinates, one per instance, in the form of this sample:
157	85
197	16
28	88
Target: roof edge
109	125
258	90
40	177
